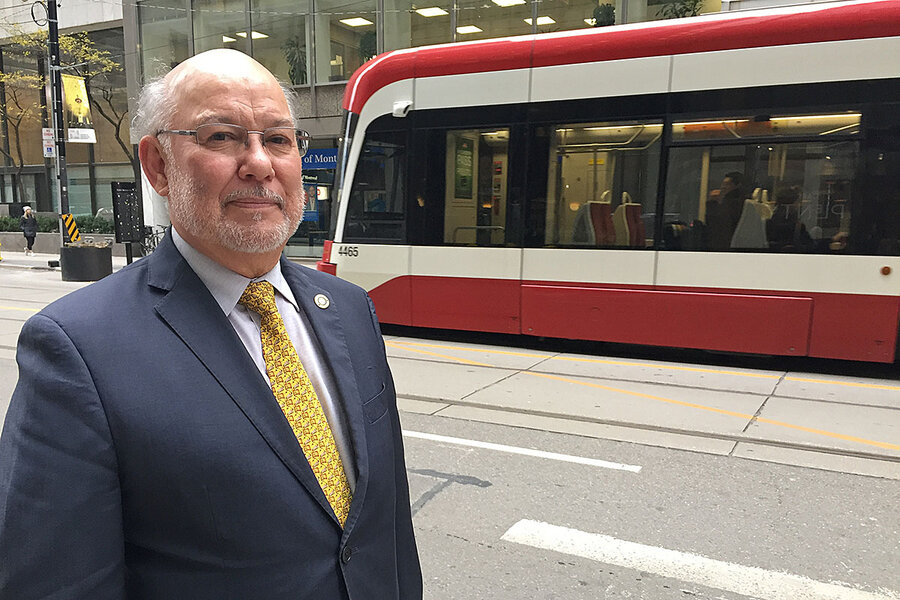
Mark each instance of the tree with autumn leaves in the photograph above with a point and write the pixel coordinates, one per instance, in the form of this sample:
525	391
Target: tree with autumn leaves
22	81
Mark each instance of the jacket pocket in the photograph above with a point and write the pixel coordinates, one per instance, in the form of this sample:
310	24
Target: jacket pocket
375	408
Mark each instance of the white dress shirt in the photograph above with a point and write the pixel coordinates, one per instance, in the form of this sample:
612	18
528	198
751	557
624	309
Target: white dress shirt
226	288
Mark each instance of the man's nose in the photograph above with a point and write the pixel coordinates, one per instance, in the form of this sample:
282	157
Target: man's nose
255	159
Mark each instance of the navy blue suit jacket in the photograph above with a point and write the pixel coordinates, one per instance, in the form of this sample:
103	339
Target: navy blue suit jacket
144	456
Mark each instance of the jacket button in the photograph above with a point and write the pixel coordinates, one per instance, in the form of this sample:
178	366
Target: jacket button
346	553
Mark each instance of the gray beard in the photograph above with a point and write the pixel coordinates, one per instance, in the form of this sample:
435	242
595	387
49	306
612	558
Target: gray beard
236	237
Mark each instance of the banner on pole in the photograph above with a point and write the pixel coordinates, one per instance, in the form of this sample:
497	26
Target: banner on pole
78	110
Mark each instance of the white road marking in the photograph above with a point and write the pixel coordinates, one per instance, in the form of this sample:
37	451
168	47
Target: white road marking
693	568
593	462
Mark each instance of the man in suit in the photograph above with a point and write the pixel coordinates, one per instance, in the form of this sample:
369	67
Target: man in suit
164	441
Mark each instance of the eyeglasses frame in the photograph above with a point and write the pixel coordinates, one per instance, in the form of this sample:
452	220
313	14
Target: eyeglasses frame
302	133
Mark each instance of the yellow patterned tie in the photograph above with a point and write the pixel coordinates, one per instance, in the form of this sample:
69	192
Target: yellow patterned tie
298	399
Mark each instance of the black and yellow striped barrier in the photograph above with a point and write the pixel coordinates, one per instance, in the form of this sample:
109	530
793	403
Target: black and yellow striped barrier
71	228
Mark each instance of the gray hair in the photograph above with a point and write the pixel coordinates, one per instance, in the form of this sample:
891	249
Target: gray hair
156	105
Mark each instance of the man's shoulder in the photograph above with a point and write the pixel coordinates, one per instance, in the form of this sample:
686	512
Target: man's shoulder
114	294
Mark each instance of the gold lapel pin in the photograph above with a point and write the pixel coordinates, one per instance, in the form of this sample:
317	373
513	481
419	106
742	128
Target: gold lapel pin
322	301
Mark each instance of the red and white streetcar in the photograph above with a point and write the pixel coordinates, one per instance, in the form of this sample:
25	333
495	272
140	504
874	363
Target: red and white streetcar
728	182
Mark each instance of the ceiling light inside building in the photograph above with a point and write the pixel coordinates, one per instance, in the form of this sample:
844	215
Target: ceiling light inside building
433	11
226	39
356	22
468	29
253	34
542	21
508	2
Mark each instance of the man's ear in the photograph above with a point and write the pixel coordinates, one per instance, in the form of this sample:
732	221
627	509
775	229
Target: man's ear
154	164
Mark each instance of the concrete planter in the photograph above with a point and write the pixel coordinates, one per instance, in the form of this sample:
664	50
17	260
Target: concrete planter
85	263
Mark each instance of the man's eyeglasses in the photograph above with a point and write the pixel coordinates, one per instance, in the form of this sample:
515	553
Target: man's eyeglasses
228	138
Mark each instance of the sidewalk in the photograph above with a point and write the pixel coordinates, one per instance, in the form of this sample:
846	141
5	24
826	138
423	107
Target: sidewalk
40	262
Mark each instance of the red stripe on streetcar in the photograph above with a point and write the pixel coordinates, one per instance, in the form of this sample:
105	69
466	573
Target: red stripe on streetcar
823	325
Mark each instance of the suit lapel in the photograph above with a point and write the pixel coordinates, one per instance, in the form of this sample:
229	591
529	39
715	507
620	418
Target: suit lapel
327	326
193	314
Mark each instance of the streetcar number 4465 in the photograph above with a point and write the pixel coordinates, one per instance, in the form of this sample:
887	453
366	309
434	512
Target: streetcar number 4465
348	251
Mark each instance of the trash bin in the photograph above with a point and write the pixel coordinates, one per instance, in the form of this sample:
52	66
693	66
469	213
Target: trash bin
85	263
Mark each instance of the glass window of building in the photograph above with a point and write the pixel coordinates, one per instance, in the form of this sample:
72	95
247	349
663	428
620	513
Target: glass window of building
477	19
221	24
601	185
279	38
345	37
770	194
422	23
164	34
561	15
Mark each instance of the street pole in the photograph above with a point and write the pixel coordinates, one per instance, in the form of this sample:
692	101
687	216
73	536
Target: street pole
62	182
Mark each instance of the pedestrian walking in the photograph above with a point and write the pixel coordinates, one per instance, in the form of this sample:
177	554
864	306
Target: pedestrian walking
29	226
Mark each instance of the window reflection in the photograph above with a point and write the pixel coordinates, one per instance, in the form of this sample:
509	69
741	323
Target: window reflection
781	197
345	37
164	34
767	126
478	20
284	49
407	25
221	24
375	210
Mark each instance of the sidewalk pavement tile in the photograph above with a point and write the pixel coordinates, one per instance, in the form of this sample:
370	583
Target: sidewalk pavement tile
851	390
869	423
819	460
595	430
441	381
621	401
696	376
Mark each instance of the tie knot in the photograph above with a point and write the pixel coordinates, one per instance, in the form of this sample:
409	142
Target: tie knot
259	297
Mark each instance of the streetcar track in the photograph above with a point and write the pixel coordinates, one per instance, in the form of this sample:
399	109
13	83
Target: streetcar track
747	439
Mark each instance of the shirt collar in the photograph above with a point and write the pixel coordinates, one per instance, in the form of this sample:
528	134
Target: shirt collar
225	285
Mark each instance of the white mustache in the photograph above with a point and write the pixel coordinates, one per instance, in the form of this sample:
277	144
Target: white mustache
257	192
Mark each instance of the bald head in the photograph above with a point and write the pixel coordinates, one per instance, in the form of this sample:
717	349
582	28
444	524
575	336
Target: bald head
159	99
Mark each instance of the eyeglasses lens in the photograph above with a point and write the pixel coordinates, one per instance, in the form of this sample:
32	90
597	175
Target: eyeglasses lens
278	141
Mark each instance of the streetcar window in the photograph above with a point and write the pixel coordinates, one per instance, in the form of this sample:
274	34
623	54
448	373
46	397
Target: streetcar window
601	184
777	197
376	208
833	124
467	182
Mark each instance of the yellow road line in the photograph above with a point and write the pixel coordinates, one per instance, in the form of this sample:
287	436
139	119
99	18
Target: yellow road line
462	360
703	407
871	386
445	347
34	310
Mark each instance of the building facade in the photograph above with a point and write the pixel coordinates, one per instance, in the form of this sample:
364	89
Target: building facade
26	175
